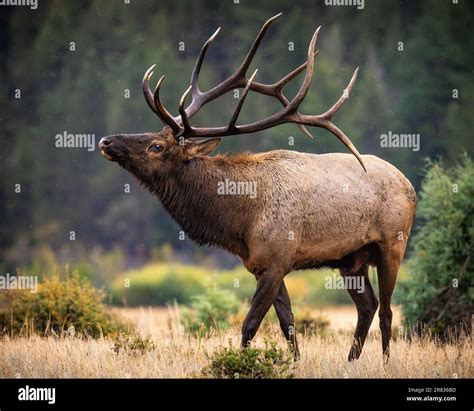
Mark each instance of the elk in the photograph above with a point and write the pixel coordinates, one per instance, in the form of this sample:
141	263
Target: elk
310	211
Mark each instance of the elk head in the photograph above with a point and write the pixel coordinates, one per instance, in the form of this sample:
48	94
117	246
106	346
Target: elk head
176	142
152	154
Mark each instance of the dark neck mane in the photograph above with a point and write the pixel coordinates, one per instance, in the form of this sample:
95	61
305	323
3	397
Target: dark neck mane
190	195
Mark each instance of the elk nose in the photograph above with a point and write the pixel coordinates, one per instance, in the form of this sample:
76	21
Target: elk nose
105	142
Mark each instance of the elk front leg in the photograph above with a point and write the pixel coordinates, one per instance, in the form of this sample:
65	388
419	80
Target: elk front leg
282	306
268	285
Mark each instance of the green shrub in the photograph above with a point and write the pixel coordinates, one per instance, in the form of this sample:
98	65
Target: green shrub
440	293
61	304
270	362
210	311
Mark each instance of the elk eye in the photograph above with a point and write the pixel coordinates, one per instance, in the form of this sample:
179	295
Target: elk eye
156	148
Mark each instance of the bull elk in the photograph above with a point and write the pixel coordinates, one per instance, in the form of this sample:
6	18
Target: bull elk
310	211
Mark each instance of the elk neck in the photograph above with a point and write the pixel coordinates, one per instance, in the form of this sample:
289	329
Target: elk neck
194	194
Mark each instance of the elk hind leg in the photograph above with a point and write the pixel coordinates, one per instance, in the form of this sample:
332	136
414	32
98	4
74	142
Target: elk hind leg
366	304
387	271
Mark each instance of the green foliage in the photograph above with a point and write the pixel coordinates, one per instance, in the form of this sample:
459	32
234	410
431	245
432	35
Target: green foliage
442	249
66	303
269	362
210	311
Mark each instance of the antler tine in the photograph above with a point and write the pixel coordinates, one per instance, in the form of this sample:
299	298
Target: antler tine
345	95
345	140
198	65
250	55
146	89
290	76
240	103
285	80
165	116
153	100
296	101
182	112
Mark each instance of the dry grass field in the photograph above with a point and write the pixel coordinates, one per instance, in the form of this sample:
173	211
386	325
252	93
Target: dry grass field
179	355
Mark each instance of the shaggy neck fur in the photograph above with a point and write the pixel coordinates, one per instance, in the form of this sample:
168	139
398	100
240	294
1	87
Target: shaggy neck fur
190	195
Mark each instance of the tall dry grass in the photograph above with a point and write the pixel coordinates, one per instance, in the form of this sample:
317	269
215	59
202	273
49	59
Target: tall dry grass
177	355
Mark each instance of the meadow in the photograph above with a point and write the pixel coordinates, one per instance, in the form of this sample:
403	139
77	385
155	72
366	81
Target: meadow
167	352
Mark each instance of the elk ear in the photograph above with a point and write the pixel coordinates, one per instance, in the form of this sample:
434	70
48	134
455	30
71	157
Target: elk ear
201	148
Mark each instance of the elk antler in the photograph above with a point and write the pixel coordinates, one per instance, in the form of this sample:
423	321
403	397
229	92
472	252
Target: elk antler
288	114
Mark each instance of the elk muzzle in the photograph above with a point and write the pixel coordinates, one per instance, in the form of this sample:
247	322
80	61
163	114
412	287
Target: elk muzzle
118	147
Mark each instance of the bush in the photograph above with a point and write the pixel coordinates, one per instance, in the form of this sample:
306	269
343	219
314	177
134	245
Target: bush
439	294
270	362
69	304
211	310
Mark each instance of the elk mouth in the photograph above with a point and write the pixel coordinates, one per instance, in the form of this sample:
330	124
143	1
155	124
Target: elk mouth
111	154
106	155
109	150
